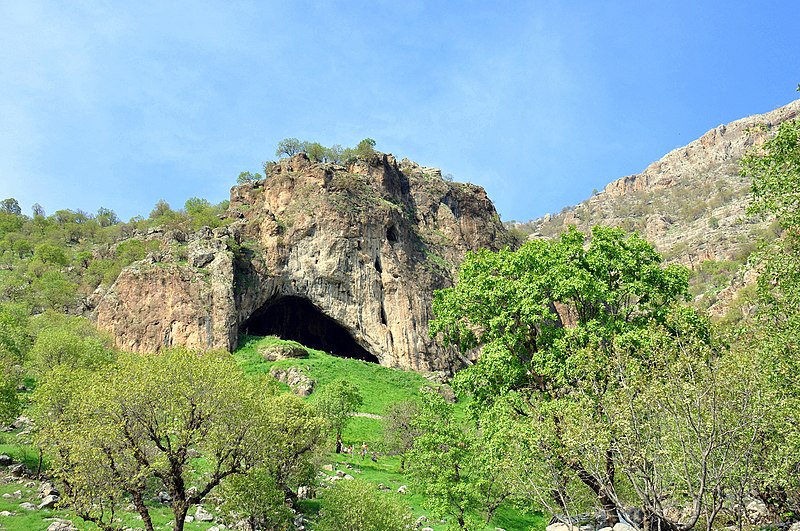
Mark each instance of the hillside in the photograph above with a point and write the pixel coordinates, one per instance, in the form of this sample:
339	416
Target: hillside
690	204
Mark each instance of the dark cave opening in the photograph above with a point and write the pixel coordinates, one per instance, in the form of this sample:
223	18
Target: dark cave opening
297	319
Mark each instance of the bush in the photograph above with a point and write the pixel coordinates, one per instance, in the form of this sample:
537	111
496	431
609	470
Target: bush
357	504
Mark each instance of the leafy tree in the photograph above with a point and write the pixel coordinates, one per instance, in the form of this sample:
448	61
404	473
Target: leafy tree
247	177
774	169
460	469
53	290
399	431
150	419
335	403
10	206
256	498
356	505
37	210
106	217
547	317
50	254
288	147
365	148
68	341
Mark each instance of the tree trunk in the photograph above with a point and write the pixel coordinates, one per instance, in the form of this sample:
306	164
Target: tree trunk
141	508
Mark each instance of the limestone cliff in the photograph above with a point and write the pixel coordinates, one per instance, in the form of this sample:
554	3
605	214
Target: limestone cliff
344	257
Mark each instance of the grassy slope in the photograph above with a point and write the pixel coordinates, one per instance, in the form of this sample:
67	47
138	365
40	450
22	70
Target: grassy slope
380	387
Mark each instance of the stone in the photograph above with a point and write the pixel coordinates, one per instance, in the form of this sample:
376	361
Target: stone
559	526
19	470
621	526
201	515
48	502
757	511
327	467
355	251
61	525
303	492
5	460
28	506
402	489
295	378
189	518
348	477
283	352
7	513
47	489
163	497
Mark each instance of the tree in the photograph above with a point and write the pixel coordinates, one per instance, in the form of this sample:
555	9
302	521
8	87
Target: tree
150	420
774	168
10	206
288	147
37	210
106	217
546	318
399	431
316	151
357	505
365	148
461	470
247	177
335	403
256	498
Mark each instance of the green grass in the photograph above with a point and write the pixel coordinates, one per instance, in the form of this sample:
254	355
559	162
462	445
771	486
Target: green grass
380	387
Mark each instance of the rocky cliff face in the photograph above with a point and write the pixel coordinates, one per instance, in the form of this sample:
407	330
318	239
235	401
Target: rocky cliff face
344	259
691	203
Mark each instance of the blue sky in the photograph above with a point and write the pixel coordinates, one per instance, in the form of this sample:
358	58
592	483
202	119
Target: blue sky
120	104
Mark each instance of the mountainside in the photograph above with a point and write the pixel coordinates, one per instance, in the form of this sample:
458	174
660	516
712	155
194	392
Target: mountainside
344	259
691	203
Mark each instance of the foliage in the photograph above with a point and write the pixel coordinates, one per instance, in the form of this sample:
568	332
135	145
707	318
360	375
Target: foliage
514	304
460	469
256	498
10	206
357	505
319	153
247	177
335	403
399	431
148	419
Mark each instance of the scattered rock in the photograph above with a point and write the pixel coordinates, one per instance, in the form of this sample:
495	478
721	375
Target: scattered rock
283	352
303	492
49	502
19	470
623	527
329	468
7	513
296	379
46	489
348	476
163	497
22	422
61	525
402	489
201	515
757	512
28	506
189	519
5	460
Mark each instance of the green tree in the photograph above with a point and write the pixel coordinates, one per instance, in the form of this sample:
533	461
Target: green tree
247	177
357	505
462	470
150	420
288	147
106	217
316	151
336	402
399	431
365	148
546	318
10	206
256	498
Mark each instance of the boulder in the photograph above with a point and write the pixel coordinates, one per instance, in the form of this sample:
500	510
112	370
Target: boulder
48	502
295	378
201	515
5	460
283	352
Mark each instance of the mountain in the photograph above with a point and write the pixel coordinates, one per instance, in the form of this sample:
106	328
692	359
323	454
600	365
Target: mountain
341	258
690	204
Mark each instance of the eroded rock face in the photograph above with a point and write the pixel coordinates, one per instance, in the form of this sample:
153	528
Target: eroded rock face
365	245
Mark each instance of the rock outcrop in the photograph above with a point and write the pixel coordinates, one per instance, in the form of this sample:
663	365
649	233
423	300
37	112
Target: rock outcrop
691	203
340	258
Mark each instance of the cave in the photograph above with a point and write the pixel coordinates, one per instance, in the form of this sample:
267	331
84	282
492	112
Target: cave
297	319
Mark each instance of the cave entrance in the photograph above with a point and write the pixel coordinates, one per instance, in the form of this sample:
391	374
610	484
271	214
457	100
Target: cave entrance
297	319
